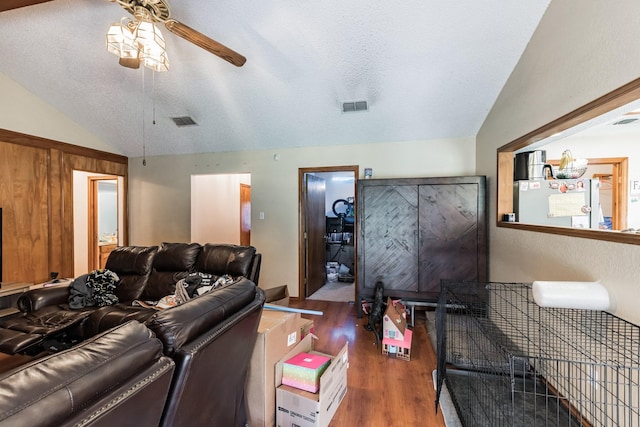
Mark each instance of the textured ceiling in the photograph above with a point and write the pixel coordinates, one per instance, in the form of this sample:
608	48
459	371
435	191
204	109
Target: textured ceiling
428	69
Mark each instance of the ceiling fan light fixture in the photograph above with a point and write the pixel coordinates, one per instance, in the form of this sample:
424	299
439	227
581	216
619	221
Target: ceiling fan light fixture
121	41
152	50
137	42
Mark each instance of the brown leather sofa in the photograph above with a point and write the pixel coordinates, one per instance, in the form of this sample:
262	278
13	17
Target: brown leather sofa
210	337
117	378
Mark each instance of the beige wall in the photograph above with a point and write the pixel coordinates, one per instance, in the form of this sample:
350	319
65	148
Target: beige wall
160	192
21	111
581	50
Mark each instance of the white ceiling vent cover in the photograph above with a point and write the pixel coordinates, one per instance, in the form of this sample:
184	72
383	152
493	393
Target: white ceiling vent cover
350	107
625	121
184	121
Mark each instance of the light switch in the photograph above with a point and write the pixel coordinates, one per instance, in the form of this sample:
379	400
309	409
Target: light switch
261	215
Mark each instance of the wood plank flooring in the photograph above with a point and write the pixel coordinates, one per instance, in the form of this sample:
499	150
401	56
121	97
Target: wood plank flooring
381	391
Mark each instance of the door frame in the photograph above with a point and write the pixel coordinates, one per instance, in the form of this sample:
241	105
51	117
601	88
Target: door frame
93	248
245	215
302	247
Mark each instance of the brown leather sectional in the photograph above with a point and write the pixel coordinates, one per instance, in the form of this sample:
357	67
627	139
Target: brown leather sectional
208	338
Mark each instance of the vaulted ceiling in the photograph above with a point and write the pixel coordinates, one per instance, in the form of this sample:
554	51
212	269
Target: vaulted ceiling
427	69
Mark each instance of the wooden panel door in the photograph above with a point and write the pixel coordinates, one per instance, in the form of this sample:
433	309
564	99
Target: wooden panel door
314	229
448	234
389	237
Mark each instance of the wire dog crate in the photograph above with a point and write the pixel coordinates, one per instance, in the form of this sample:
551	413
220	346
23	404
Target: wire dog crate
508	362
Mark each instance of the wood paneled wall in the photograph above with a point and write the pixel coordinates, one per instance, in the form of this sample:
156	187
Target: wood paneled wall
36	197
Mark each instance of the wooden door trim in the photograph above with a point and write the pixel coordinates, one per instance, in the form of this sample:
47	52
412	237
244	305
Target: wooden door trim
242	201
301	213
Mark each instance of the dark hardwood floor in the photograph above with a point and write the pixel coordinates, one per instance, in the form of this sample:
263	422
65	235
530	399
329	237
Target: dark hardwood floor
381	391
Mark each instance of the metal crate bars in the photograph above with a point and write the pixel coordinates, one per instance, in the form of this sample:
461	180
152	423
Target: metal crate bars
508	362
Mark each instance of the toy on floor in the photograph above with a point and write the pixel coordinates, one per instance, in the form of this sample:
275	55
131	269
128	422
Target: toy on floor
376	314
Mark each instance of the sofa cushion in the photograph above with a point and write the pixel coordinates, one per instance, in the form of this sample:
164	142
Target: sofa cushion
219	259
107	317
133	265
136	260
171	260
12	342
176	256
47	320
179	325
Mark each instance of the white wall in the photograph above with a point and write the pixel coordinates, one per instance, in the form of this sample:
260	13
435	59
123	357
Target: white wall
581	50
215	207
159	193
339	185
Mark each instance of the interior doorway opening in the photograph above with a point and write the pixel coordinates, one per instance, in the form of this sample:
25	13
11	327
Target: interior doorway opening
221	208
98	219
613	173
327	233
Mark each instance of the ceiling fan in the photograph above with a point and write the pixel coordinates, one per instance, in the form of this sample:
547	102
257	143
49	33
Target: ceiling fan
158	11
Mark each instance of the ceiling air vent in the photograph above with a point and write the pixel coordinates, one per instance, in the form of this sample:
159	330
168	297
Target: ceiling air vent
183	121
349	107
625	121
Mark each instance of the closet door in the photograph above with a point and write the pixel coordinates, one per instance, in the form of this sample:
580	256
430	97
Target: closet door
450	225
388	245
415	232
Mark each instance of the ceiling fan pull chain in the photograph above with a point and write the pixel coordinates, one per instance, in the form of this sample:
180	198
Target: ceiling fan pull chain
153	96
144	151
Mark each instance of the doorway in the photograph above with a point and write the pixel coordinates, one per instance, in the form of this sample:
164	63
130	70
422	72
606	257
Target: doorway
613	173
327	233
221	208
245	214
103	219
92	193
613	189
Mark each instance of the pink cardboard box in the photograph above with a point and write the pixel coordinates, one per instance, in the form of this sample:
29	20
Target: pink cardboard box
303	371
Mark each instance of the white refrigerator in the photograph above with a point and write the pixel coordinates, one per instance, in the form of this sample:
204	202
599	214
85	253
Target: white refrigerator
561	202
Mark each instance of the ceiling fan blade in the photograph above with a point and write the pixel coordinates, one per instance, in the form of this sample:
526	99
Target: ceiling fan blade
210	45
15	4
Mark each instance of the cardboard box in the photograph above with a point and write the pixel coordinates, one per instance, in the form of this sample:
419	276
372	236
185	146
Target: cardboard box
278	333
304	409
303	371
278	295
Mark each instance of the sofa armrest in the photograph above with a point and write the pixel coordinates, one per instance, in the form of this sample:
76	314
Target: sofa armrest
35	299
215	364
254	275
179	325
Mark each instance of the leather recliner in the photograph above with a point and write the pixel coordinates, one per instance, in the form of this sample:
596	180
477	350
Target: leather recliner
117	378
